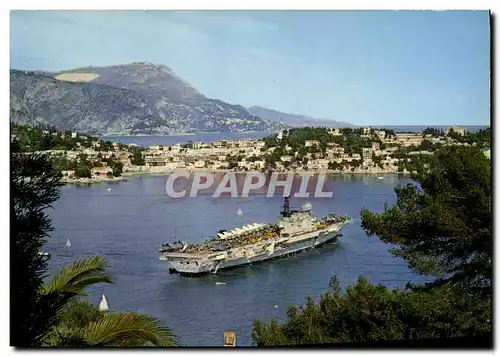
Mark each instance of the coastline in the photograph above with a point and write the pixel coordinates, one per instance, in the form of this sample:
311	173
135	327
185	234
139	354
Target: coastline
190	170
131	174
174	133
165	172
86	181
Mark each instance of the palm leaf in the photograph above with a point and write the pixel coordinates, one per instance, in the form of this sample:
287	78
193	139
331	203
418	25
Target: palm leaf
128	329
74	278
70	282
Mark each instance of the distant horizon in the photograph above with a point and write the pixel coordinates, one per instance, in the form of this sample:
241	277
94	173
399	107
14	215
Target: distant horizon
348	66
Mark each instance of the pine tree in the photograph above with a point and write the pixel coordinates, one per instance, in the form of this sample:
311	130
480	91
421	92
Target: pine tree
442	226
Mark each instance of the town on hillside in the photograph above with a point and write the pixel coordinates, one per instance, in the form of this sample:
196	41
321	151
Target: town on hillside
83	158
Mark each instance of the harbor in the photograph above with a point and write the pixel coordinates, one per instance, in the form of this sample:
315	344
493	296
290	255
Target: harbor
132	220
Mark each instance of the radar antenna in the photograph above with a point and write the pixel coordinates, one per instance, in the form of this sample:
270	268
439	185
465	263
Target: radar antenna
286	207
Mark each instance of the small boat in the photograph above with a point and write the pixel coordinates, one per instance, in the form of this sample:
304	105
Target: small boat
380	177
109	189
240	212
103	305
42	253
275	306
68	244
219	283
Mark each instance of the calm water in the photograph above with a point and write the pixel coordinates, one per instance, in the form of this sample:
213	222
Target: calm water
128	223
147	141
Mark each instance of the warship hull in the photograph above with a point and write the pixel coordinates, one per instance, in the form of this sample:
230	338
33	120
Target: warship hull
198	265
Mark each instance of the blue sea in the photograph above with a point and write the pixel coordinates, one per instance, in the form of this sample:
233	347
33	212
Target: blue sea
129	222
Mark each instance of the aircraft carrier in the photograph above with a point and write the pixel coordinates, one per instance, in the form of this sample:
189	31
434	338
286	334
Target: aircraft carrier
296	231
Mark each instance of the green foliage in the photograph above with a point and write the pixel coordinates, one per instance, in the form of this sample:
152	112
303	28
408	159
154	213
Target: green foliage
33	187
431	131
377	160
40	138
454	135
367	312
47	314
82	171
233	161
389	133
295	138
117	169
137	158
444	227
83	325
345	165
63	164
426	145
481	138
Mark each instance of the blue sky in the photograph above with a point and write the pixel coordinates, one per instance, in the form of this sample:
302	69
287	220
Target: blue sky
363	67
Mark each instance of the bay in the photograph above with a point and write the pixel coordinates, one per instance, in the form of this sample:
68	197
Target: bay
128	223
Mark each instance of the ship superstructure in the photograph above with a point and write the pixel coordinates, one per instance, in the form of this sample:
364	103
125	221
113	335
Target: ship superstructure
296	230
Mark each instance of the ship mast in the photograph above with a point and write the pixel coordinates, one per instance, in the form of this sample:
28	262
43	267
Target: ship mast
286	207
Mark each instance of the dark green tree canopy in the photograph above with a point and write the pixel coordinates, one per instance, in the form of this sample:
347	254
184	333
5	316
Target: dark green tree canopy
34	187
442	225
367	312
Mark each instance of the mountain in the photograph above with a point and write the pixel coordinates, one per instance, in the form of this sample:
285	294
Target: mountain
137	98
294	119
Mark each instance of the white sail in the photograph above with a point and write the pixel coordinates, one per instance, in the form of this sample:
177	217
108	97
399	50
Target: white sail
68	243
240	212
103	305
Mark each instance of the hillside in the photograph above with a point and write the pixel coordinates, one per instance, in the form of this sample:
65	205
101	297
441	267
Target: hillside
137	98
294	119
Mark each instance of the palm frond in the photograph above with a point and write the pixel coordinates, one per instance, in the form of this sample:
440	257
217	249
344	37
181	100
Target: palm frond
128	329
64	286
76	277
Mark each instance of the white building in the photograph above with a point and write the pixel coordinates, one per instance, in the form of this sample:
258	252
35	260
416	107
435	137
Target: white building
334	132
456	129
380	134
310	143
367	154
197	145
199	164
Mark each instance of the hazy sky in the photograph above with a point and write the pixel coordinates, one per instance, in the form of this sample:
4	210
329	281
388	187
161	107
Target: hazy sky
378	68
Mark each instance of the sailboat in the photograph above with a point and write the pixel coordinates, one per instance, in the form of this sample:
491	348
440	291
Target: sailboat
240	212
103	305
68	244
